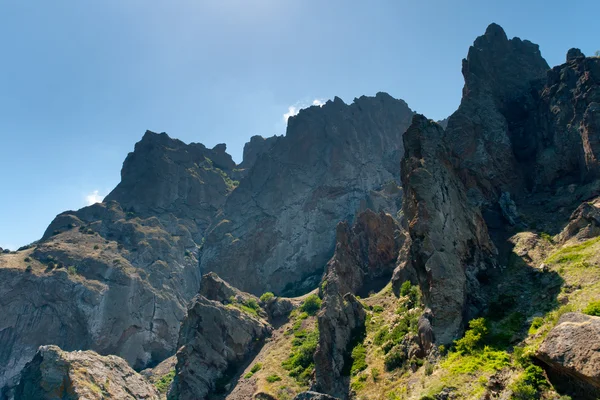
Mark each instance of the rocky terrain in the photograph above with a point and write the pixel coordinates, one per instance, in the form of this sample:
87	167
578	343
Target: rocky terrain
429	260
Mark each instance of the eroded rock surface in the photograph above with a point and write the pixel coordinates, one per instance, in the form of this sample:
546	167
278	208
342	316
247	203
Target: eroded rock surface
277	228
571	352
214	340
449	242
57	374
365	254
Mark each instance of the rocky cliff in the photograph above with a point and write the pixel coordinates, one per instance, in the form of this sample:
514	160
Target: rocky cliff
57	374
278	226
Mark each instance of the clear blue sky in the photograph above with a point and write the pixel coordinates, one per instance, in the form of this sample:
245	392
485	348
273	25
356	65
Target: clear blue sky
80	81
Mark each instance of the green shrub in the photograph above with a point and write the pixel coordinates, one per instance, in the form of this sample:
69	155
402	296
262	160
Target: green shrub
547	237
593	308
266	297
249	375
162	385
381	336
256	367
375	374
273	378
253	304
428	368
311	305
395	358
536	324
359	356
72	270
528	385
473	337
27	259
405	288
377	309
300	362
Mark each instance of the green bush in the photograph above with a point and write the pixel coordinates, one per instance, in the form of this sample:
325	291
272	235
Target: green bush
405	288
273	378
72	270
311	305
249	375
27	259
256	367
536	324
377	309
375	374
162	385
253	304
381	336
266	297
395	358
528	385
593	309
300	362
473	336
359	357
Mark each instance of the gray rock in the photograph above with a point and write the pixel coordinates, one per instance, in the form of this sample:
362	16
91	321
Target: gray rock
365	255
56	374
448	236
508	208
277	228
214	340
341	323
571	354
314	396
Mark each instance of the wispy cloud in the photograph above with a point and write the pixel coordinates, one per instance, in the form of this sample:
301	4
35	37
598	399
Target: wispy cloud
295	109
93	198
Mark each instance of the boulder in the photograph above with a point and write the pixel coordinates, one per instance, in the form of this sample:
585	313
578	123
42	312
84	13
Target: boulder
571	355
57	374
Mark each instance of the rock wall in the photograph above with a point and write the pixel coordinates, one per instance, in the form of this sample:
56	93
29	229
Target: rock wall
277	228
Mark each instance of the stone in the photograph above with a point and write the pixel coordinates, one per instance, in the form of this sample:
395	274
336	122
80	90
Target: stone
213	341
583	224
573	54
57	374
571	355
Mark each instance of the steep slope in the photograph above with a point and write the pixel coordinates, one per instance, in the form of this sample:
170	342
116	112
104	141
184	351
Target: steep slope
277	228
115	277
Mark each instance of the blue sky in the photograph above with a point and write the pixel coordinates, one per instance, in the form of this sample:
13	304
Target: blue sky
80	81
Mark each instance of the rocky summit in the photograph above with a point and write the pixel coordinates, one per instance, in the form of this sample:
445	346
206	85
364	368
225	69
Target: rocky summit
368	253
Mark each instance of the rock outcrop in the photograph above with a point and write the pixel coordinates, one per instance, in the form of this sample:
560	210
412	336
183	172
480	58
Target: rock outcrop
487	135
255	148
584	222
365	254
448	242
57	374
213	341
313	396
341	326
277	228
571	354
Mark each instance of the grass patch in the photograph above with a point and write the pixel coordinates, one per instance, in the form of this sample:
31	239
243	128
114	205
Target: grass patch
273	378
311	305
359	359
162	385
593	309
300	363
573	254
265	297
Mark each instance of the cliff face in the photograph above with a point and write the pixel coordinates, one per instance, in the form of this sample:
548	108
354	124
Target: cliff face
449	243
277	228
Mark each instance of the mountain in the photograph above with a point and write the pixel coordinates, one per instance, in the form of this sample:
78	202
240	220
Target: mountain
116	277
476	278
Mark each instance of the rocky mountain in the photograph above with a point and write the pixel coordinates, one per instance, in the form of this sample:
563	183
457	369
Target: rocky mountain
277	227
117	276
477	278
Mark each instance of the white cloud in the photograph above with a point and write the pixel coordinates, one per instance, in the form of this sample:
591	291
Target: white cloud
295	109
93	198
